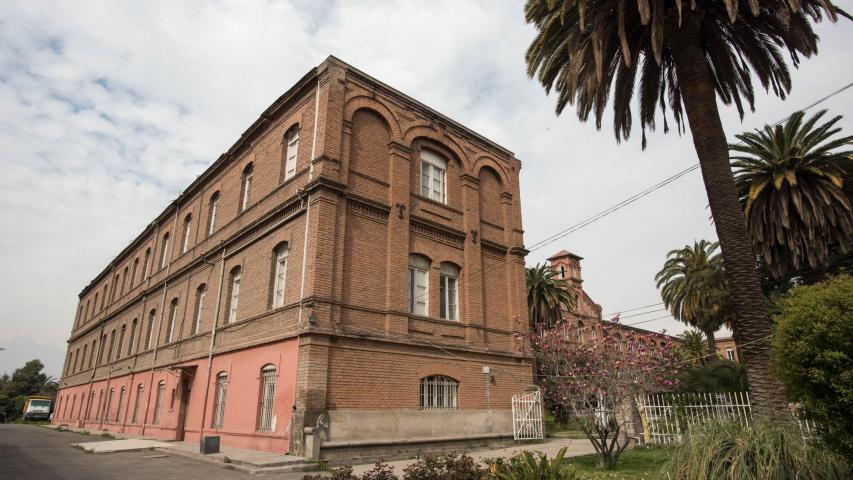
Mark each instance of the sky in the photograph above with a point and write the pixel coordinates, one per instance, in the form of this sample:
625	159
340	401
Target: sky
109	109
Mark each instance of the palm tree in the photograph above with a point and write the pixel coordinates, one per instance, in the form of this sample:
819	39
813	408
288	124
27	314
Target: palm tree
797	193
687	55
547	296
692	348
693	288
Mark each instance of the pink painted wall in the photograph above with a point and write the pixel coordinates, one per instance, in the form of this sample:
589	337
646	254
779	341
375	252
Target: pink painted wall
239	426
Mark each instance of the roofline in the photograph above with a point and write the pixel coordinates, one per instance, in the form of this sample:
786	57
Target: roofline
567	254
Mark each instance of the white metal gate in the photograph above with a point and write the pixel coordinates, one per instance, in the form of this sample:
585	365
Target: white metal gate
666	417
527	416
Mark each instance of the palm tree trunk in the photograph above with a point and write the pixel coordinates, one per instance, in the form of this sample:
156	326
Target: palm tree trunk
712	344
752	327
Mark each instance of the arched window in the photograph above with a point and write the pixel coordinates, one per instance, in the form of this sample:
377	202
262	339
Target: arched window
92	352
149	328
120	409
267	399
433	176
137	407
115	289
279	275
580	332
448	292
562	271
124	281
100	401
246	190
291	150
109	406
219	401
112	345
146	264
69	363
86	312
76	359
80	408
103	348
120	341
439	393
234	294
132	337
418	285
83	359
95	304
200	294
164	251
185	241
158	405
212	209
133	272
170	327
91	402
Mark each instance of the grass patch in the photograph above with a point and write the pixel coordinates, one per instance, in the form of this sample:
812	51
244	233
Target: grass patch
556	428
107	435
635	463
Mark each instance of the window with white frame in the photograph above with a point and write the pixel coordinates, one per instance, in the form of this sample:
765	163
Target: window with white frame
291	140
158	404
211	214
132	339
134	271
164	251
219	401
137	407
170	327
279	276
730	354
200	294
246	193
448	292
185	242
418	285
433	176
580	332
234	298
267	400
439	393
149	330
120	341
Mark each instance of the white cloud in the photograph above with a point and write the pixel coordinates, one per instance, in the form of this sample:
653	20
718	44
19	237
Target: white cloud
111	108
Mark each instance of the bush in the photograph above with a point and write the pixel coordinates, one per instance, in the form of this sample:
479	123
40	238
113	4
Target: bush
380	472
441	467
526	467
717	376
730	451
813	346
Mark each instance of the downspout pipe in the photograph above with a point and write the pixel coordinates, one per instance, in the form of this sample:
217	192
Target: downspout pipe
308	202
212	343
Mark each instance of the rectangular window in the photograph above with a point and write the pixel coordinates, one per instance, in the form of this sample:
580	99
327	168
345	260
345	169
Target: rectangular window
219	404
137	407
448	292
279	280
439	393
265	409
417	291
433	176
730	354
235	297
158	405
292	147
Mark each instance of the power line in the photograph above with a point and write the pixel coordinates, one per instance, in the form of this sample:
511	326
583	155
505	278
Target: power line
632	309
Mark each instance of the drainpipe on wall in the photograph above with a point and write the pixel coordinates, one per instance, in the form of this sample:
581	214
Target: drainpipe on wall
94	369
212	340
160	319
307	201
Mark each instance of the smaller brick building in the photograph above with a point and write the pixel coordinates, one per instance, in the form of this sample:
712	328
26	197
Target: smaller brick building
726	348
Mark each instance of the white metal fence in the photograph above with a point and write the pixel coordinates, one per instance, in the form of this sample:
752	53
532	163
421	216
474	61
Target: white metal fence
527	416
666	417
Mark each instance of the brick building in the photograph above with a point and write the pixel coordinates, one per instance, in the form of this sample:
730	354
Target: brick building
354	263
727	348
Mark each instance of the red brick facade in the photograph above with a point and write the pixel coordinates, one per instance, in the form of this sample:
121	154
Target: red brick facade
339	331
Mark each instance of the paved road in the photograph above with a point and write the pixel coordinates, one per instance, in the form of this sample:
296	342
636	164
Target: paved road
33	453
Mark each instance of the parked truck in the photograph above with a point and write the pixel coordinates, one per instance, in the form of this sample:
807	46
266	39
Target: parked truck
37	408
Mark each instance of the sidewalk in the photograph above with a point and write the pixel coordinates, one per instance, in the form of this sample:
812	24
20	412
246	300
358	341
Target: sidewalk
575	448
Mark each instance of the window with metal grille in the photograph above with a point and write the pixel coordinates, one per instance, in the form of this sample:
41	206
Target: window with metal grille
439	393
267	400
158	405
138	405
219	402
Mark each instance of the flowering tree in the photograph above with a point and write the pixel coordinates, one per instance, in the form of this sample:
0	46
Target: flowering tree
594	380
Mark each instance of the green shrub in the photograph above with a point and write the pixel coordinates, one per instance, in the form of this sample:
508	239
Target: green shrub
730	451
380	471
526	467
716	376
444	467
813	347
